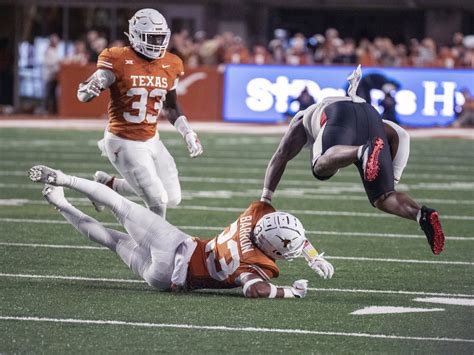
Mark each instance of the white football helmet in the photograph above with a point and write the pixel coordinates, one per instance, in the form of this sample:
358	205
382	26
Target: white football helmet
149	33
279	235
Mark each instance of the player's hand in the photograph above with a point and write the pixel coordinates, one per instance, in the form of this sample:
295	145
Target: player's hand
300	288
92	88
321	266
193	143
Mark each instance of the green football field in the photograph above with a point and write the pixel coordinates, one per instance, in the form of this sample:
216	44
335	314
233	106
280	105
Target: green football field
61	293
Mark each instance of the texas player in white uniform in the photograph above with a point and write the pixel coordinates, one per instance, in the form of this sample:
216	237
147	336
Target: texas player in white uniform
340	131
142	80
243	255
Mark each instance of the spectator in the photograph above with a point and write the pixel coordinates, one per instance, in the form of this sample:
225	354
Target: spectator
466	116
97	46
51	62
260	55
80	55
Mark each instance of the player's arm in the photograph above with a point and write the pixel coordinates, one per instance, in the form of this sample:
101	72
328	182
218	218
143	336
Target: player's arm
95	84
399	140
290	145
180	122
253	286
316	261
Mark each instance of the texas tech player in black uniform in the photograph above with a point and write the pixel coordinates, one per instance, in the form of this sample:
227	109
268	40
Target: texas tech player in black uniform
340	131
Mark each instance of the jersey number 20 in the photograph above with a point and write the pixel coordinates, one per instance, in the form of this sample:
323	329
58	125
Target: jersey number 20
141	105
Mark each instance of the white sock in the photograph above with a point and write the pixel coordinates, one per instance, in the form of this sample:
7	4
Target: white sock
418	215
360	151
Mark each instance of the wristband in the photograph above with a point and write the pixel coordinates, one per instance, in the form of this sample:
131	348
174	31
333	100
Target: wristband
182	126
266	195
273	291
288	293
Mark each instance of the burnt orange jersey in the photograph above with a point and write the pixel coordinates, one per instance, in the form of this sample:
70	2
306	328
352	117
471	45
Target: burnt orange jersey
140	87
218	262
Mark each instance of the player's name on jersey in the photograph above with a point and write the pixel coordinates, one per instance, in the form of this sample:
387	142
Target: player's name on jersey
149	81
244	234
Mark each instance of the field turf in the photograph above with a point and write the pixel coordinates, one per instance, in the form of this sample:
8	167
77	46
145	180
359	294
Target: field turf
59	293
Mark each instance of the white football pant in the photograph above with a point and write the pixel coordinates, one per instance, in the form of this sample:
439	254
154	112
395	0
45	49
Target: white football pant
150	247
148	168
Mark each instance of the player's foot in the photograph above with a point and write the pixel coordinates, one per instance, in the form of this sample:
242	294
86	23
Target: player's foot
102	178
431	225
41	173
54	195
370	158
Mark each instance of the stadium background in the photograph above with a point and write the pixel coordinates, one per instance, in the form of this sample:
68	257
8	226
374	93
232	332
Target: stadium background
60	293
209	35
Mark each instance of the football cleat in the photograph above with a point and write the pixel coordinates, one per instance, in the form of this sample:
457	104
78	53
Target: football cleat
54	195
41	173
370	158
431	225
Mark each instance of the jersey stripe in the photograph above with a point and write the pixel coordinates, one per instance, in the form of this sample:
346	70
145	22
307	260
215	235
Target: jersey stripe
260	272
106	64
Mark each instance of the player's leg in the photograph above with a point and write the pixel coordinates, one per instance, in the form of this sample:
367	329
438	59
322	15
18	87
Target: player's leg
399	140
136	258
168	173
381	192
328	155
144	226
134	161
335	146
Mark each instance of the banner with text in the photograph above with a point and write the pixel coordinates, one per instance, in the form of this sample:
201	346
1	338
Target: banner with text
421	97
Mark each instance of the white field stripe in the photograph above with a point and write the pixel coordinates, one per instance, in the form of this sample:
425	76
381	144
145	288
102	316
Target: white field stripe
343	290
354	258
245	162
335	185
389	292
293	194
289	173
404	261
308	232
248	156
53	246
320	213
228	329
69	278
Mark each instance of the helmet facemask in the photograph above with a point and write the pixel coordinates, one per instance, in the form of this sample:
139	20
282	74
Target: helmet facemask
149	33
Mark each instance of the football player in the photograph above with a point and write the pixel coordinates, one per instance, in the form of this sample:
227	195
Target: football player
340	131
142	80
243	255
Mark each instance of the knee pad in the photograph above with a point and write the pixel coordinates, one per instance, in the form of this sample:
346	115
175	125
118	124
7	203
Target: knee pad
150	187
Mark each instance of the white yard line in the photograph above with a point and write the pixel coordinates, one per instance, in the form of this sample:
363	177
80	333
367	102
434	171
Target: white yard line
342	290
404	261
308	232
229	329
355	258
232	162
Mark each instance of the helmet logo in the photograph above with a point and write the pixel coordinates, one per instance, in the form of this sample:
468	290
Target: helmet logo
285	242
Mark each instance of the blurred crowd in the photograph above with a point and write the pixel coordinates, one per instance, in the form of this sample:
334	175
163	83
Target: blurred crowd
328	49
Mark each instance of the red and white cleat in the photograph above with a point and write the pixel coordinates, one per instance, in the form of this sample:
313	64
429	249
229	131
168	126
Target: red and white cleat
370	158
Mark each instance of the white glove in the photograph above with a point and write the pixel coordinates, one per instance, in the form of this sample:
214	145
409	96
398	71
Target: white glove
92	88
193	143
299	288
321	266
